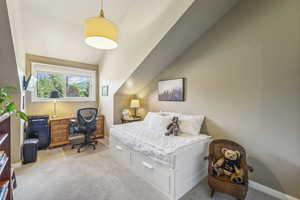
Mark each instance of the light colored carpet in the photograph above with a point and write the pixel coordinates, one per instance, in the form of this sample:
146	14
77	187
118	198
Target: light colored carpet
63	174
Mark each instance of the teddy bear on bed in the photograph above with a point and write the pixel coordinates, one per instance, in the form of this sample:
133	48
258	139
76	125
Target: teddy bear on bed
229	165
173	127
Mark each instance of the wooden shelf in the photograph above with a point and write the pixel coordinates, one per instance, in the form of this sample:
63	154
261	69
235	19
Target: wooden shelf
4	165
2	138
5	194
4	117
5	169
6	185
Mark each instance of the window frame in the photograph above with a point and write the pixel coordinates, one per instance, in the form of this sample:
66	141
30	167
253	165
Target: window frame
65	70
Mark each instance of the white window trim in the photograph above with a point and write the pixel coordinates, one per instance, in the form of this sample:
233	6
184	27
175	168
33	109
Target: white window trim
42	67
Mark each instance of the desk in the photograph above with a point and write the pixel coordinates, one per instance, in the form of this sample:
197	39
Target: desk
59	128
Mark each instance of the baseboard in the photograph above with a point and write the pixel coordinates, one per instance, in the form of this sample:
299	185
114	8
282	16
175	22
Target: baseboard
270	191
16	165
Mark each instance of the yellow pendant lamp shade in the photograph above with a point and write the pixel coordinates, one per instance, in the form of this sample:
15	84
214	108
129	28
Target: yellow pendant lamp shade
100	32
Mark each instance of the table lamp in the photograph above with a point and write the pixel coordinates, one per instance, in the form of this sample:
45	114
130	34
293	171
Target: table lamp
54	95
135	104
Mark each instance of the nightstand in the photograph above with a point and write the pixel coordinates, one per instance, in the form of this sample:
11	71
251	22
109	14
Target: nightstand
134	119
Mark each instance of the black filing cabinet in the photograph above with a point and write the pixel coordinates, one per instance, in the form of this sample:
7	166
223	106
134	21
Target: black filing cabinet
38	127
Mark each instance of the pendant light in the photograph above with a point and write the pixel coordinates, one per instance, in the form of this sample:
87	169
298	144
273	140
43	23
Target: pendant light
100	32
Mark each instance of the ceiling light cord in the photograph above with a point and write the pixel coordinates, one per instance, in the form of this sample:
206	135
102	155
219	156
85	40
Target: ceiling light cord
101	11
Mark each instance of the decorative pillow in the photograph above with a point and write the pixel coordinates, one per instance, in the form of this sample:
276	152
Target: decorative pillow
148	117
170	114
191	124
159	122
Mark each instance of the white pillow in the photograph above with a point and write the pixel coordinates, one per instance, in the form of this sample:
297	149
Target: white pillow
159	122
191	124
148	117
170	114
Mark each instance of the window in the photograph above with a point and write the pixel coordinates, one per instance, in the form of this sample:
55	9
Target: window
72	84
78	86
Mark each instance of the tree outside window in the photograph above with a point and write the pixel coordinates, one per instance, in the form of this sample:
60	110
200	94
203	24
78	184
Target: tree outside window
66	85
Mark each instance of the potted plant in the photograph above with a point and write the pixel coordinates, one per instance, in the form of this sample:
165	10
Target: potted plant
8	106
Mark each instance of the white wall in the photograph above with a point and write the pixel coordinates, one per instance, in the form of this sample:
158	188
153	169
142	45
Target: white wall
197	19
144	25
9	61
15	19
244	76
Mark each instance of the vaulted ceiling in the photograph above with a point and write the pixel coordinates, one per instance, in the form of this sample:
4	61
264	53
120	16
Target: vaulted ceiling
55	28
147	44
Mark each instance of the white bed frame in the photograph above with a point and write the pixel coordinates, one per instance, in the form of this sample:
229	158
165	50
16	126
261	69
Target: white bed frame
189	167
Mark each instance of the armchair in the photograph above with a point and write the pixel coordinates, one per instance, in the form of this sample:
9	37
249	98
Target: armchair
223	183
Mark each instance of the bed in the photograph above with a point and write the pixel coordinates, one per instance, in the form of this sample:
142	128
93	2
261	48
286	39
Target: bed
172	164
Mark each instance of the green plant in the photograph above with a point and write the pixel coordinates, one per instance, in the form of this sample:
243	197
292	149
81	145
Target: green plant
8	106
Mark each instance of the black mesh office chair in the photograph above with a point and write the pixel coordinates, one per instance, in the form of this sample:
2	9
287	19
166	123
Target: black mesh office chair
86	124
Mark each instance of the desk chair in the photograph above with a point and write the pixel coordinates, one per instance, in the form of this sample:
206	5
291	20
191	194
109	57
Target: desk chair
86	124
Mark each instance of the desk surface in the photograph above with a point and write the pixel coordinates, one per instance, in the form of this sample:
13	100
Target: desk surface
67	117
62	117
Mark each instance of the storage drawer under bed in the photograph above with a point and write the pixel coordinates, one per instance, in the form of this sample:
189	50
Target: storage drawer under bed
172	182
158	175
121	153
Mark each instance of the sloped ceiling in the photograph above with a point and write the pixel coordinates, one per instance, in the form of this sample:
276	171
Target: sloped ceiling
143	27
8	65
55	28
196	21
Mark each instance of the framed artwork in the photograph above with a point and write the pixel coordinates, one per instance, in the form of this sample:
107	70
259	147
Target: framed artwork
105	90
171	90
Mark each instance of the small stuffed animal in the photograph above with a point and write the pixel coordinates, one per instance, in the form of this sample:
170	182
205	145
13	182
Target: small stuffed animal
229	165
173	127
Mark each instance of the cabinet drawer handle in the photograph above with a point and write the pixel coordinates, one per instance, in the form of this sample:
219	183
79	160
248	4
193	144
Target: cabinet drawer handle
147	165
119	148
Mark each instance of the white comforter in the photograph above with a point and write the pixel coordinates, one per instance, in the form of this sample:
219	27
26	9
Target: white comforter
152	142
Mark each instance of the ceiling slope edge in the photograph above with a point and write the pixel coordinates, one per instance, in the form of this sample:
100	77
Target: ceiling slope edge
143	27
9	71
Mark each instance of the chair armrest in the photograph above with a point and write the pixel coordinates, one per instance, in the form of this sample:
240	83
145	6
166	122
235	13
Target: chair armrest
208	157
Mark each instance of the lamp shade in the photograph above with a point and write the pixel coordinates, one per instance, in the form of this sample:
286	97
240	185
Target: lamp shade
54	95
100	32
135	103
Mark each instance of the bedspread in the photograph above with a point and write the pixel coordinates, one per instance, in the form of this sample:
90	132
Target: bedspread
153	143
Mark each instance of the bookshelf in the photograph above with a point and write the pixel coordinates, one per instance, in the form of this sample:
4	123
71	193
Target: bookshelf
5	159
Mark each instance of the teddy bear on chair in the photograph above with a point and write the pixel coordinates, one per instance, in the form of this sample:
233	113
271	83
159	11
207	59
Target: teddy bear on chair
229	165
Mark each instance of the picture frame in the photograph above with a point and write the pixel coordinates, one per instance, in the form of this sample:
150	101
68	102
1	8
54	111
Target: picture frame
171	90
104	91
